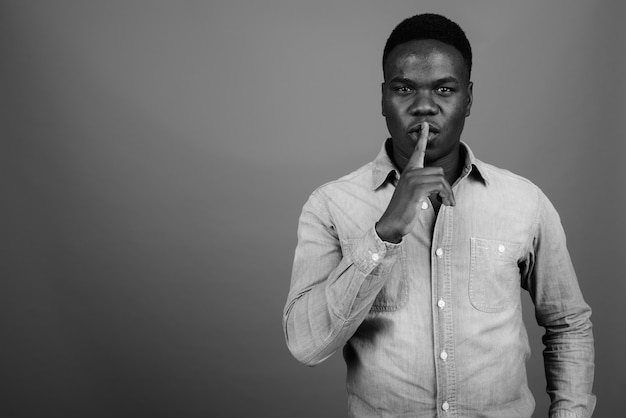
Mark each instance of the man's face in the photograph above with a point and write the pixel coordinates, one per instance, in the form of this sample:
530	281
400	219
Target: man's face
425	81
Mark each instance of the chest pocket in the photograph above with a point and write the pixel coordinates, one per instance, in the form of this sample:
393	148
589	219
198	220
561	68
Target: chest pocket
494	284
394	293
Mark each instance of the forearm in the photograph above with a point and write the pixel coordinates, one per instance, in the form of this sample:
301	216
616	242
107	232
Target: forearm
325	307
569	365
315	327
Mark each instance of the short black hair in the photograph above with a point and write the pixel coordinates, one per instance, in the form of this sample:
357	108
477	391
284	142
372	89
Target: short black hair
430	26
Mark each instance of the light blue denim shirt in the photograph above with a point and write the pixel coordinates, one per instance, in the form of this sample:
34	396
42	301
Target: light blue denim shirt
432	326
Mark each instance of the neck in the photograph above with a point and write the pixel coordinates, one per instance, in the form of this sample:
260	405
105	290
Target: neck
452	164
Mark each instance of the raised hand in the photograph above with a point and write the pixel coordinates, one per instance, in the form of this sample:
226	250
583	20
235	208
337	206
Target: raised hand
416	183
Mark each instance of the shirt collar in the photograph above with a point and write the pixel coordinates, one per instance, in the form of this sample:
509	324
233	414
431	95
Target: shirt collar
383	168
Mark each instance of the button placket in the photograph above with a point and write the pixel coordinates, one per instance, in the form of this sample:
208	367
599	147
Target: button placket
442	285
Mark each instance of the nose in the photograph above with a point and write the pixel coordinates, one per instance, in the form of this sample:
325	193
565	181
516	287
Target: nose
423	104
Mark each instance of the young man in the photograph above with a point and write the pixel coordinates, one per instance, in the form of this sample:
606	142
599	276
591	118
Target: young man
414	263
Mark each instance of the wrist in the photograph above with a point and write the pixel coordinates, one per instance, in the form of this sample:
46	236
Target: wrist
387	233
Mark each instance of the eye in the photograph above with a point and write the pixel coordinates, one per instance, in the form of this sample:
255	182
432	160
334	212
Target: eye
444	91
403	89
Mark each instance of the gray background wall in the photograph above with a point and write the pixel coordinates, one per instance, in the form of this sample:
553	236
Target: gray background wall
155	156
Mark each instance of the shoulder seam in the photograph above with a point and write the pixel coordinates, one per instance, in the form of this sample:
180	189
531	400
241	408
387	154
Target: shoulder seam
504	172
344	179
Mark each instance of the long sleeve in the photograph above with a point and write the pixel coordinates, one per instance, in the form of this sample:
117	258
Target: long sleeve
562	311
333	283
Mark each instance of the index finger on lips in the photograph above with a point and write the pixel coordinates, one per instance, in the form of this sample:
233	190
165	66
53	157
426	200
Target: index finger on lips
417	158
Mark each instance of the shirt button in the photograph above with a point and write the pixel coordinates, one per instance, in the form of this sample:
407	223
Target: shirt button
375	257
439	252
441	303
443	355
501	248
424	205
445	406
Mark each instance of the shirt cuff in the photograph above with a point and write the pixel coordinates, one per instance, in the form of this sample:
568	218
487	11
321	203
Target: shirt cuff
373	256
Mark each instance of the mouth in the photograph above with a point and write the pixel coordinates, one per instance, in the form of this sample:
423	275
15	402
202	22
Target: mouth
416	130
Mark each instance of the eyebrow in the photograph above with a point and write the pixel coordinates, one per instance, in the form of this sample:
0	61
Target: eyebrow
443	80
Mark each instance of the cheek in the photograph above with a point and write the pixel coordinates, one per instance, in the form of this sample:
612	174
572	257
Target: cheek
458	116
394	121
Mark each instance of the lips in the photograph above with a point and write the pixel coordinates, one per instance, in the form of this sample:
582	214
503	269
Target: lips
418	128
415	130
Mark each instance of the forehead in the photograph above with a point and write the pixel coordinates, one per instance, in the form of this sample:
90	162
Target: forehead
425	55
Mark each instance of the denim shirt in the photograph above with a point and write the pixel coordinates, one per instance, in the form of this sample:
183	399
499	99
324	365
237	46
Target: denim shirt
432	326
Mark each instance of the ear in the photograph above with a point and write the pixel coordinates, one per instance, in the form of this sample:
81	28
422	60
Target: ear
470	98
382	98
